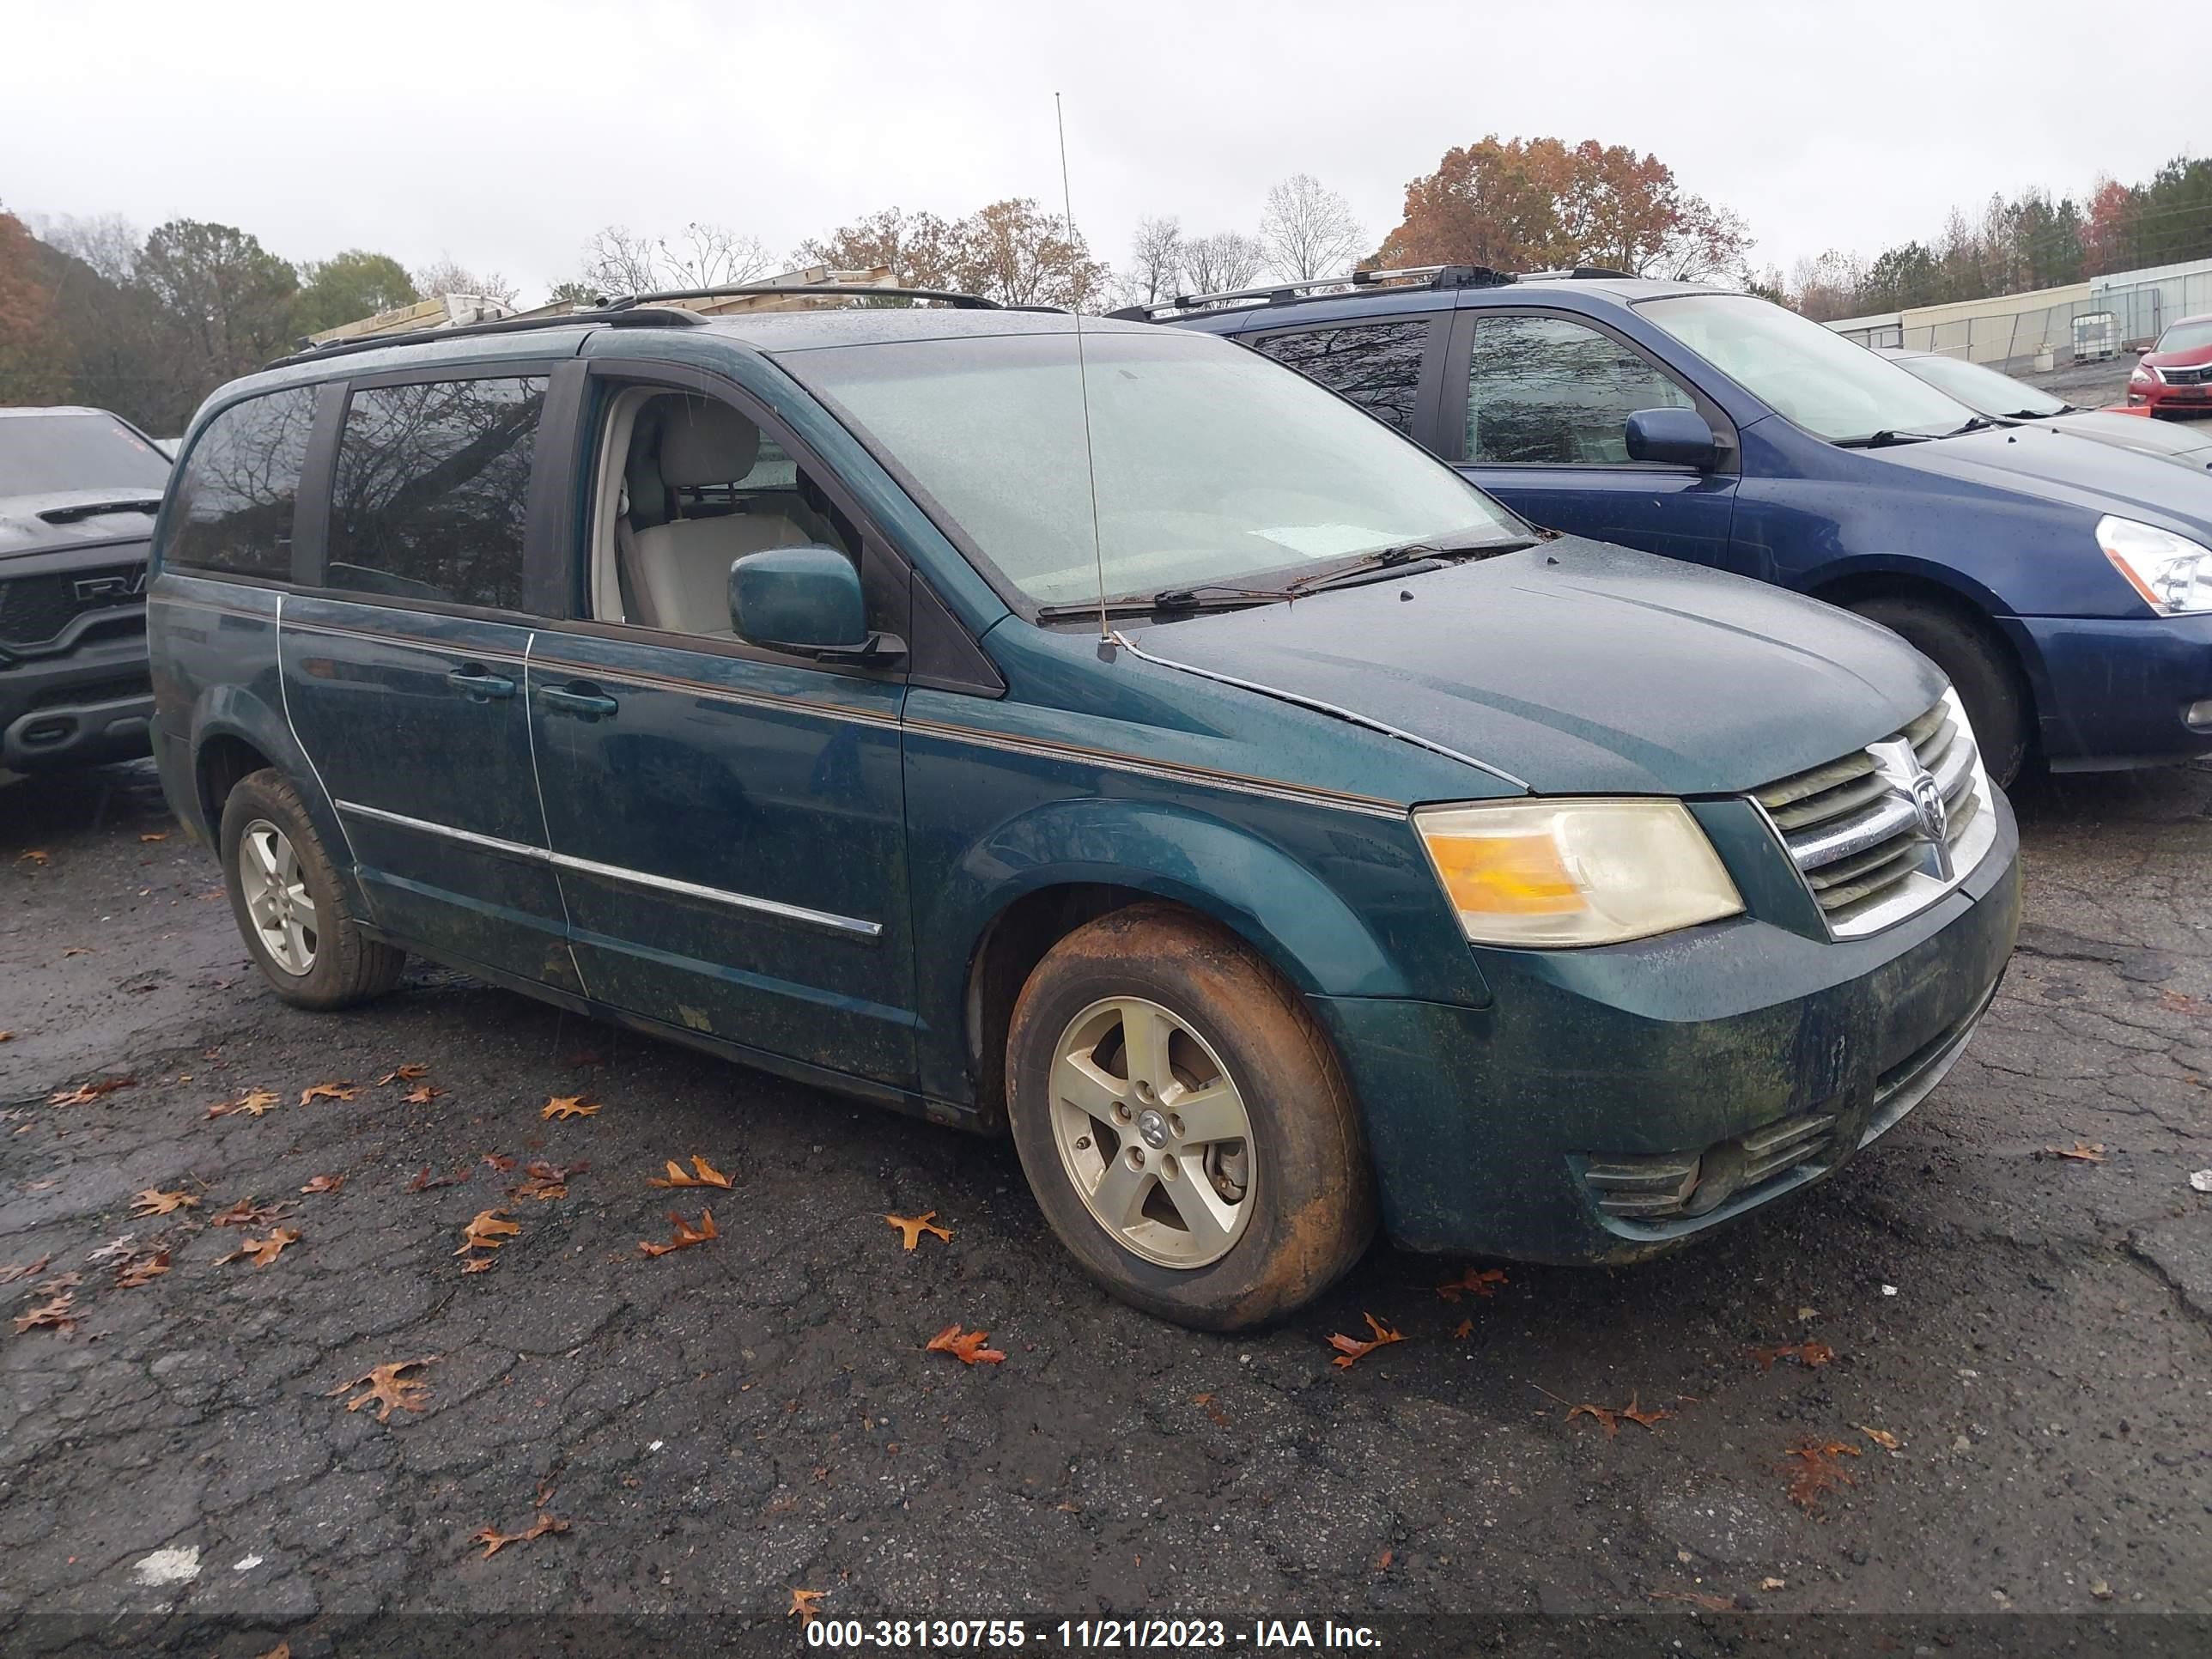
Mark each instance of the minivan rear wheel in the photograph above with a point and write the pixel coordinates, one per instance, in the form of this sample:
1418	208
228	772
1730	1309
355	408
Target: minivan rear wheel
1183	1122
1985	680
289	904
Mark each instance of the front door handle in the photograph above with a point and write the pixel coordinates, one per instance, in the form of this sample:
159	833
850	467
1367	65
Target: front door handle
480	685
581	698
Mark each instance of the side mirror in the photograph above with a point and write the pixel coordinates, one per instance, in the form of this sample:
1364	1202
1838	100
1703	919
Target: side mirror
1678	437
803	599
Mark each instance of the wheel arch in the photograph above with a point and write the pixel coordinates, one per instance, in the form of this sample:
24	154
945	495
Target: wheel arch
1970	603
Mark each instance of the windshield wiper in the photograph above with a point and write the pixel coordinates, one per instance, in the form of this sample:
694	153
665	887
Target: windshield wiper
1204	596
76	510
1883	440
1390	558
2042	414
1974	423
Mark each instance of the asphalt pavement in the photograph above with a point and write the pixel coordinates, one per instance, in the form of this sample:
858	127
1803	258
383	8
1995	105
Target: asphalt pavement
1972	1375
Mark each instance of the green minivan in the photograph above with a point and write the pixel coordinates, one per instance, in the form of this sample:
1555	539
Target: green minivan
1084	730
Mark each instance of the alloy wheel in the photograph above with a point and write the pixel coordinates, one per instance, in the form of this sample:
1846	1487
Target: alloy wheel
1153	1132
277	902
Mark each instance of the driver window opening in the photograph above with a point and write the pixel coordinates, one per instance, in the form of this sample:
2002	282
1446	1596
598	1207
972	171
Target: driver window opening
688	485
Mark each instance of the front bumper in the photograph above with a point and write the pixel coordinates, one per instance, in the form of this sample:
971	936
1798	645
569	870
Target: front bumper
1485	1124
2117	692
93	703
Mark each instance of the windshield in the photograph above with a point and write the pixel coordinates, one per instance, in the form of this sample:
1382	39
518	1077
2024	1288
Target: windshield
1980	388
1830	386
1213	464
2186	337
46	454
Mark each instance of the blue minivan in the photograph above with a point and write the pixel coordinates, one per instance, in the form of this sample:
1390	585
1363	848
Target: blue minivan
2064	586
1112	738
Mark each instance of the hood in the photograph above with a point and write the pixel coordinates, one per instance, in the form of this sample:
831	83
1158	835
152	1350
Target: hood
2169	440
70	518
2052	465
1583	668
2194	357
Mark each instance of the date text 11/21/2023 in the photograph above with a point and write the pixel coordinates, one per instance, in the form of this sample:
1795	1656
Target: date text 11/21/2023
1086	1635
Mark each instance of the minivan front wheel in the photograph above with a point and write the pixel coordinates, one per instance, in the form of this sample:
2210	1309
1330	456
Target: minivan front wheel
289	904
1986	682
1183	1122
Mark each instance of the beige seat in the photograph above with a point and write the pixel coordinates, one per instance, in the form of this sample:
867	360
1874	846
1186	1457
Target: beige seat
679	572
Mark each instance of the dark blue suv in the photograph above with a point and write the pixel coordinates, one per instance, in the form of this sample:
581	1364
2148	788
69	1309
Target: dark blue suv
2064	586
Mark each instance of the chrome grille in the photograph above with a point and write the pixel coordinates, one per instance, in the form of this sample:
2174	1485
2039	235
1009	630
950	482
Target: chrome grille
1858	827
2197	376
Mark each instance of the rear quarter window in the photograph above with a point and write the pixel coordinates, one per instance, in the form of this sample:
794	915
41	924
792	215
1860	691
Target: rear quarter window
432	485
232	510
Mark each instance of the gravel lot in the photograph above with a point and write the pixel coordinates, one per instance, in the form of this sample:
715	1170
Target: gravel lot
724	1424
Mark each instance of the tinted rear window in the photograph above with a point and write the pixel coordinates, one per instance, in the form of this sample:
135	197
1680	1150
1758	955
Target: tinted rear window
233	507
46	454
429	495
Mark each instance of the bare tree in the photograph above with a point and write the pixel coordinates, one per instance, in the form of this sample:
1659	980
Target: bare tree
1308	229
1227	259
108	243
619	261
1156	259
444	275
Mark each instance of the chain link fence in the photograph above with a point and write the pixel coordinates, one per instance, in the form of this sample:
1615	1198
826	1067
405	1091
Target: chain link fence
2125	317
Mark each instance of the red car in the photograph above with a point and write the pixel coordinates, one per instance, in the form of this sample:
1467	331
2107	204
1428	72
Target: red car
2175	375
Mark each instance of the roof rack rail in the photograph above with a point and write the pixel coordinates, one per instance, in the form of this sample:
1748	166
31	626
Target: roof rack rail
638	317
1284	294
1581	273
844	290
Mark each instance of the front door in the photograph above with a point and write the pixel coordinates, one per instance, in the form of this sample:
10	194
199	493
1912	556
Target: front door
404	670
728	823
1548	399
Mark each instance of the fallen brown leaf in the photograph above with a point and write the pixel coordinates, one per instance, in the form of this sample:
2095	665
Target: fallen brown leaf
323	1183
802	1604
421	1095
1881	1437
262	1251
495	1541
1817	1471
1771	1582
315	1091
1204	1402
966	1347
2083	1151
55	1315
567	1106
1351	1348
546	1180
57	1284
1811	1355
281	1650
424	1179
35	855
7	1036
86	950
1605	1417
387	1389
246	1213
1484	1283
142	1270
500	1162
154	1201
1382	1561
8	1275
479	1264
154	835
686	1235
703	1174
912	1227
85	1093
115	1250
403	1074
486	1230
1634	1413
253	1102
1465	1327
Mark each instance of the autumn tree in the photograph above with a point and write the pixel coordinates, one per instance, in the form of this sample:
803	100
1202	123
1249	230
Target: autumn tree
919	250
1537	204
1308	229
34	353
227	300
1015	253
349	286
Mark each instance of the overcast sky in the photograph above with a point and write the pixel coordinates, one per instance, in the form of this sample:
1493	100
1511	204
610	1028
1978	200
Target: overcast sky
503	135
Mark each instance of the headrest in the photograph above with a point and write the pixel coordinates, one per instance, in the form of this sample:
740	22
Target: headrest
705	442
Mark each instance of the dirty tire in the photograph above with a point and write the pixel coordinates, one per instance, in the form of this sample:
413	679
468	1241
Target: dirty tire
1312	1191
1997	702
349	967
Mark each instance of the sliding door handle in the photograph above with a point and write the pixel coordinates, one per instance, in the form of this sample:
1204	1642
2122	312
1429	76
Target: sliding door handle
478	683
581	698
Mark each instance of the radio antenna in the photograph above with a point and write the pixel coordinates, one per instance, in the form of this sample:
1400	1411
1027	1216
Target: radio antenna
1083	385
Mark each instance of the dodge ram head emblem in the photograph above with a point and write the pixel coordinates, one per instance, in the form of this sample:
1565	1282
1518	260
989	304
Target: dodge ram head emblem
1898	766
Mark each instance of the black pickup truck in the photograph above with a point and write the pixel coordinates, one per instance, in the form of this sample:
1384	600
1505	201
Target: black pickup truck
78	491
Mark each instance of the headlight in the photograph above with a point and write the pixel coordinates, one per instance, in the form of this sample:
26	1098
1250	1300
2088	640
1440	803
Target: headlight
1587	872
2172	574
